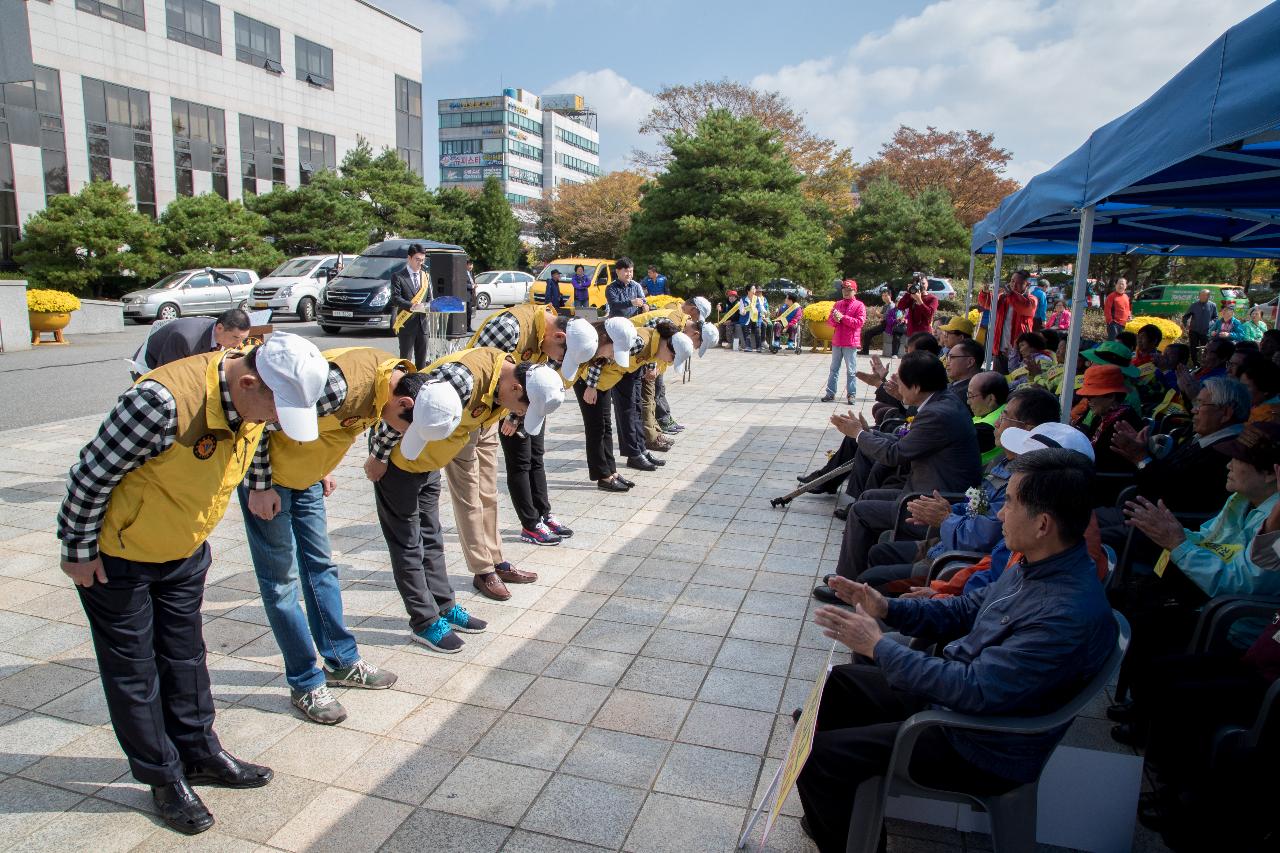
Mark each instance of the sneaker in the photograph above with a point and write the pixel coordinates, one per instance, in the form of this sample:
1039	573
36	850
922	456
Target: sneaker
827	398
319	705
556	527
461	620
539	535
439	636
359	674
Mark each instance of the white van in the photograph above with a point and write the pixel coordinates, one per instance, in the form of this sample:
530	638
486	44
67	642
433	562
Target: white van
294	286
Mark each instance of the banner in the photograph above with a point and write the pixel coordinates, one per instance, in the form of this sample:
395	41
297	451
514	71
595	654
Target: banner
460	160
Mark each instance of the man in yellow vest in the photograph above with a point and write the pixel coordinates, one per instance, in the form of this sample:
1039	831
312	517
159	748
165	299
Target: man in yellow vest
464	391
691	317
141	501
537	334
284	517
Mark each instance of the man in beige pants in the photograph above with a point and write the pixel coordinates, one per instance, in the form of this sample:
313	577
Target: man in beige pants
473	489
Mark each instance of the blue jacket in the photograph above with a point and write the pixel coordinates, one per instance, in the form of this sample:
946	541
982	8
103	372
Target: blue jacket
1042	303
1028	644
963	532
619	297
656	286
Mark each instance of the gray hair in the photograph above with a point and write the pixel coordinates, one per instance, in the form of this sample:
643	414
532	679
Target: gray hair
1233	394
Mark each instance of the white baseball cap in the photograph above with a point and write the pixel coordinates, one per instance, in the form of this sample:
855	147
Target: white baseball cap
295	371
623	334
710	338
580	343
704	308
545	392
682	346
1050	435
437	411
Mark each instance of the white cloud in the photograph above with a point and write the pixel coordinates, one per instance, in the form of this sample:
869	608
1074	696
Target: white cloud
620	106
1039	74
445	31
503	6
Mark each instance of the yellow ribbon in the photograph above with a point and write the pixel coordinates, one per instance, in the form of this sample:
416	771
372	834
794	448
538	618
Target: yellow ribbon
403	316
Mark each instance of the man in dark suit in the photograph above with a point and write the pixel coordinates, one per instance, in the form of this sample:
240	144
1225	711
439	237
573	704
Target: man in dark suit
191	336
409	288
471	292
939	448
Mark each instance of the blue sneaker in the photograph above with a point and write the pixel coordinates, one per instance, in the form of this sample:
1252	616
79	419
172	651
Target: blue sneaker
463	621
540	535
439	636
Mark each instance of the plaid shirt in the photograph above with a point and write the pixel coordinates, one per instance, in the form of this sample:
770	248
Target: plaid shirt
593	372
502	332
383	438
143	424
331	399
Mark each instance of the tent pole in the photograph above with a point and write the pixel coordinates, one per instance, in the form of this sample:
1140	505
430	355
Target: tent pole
995	303
1079	299
968	296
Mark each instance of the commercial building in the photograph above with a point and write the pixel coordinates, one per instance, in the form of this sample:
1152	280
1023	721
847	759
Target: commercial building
182	97
531	144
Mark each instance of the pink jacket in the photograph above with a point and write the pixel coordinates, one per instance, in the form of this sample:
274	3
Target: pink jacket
849	330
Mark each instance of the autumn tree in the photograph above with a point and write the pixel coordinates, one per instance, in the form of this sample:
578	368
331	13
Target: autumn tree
827	168
589	220
968	166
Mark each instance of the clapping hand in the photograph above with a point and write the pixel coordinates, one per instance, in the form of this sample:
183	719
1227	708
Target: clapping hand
836	315
1156	522
850	425
1130	444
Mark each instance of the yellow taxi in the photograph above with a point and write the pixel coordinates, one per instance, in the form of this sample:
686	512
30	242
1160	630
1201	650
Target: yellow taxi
599	269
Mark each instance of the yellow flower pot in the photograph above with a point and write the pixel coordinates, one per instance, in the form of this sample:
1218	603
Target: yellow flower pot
48	321
821	333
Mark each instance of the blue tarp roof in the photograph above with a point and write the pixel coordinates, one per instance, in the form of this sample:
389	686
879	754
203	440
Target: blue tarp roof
1193	170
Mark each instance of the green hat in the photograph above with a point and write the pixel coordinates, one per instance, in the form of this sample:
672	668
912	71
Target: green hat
1113	353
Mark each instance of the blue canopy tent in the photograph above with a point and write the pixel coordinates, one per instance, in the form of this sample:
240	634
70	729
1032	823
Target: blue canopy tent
1192	171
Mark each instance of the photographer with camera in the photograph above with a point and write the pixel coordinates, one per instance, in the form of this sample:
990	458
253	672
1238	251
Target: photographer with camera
919	305
1014	316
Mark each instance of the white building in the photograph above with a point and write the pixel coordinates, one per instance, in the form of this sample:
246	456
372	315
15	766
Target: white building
170	97
531	144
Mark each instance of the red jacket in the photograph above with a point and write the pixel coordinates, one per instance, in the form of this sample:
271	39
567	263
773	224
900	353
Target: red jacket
919	317
1024	313
1115	309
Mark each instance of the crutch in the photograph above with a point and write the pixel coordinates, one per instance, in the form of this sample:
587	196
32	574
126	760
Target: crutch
813	484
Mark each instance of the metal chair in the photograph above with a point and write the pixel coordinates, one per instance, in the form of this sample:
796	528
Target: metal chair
1013	814
901	513
948	563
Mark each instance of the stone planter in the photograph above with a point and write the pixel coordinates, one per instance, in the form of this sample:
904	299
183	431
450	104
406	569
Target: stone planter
48	321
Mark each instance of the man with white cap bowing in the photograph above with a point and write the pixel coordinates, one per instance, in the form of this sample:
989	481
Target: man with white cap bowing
141	501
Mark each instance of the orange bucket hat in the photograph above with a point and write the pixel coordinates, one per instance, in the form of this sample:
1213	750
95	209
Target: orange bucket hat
1102	379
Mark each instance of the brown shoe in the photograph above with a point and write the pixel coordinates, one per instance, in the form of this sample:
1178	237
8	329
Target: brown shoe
491	586
659	446
511	574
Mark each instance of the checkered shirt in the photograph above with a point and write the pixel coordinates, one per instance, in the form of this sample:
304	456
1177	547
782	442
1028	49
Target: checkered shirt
502	332
383	438
593	372
331	399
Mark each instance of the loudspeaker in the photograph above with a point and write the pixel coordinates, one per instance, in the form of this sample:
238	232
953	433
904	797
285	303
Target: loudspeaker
449	278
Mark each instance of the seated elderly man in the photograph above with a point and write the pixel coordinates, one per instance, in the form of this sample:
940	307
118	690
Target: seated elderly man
1026	644
939	448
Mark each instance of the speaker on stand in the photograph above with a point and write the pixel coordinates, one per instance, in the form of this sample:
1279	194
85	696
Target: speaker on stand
449	278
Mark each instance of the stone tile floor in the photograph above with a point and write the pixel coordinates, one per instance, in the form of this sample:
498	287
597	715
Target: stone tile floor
636	698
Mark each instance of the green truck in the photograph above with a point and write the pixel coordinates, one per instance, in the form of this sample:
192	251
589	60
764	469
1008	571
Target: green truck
1173	300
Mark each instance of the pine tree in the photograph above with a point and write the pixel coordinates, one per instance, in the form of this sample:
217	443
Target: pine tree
729	212
400	203
891	235
318	217
206	230
495	240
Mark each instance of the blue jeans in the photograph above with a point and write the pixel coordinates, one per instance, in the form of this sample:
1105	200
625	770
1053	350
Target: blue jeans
848	357
293	547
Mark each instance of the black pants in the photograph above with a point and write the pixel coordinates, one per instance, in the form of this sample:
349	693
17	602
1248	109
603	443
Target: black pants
1162	613
1197	342
149	640
858	719
626	411
409	513
868	518
662	409
413	340
526	477
891	340
599	430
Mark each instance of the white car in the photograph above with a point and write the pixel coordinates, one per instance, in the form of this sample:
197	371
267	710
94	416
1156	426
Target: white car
502	287
294	286
207	291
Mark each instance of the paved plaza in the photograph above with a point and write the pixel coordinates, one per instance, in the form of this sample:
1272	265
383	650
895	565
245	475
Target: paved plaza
637	697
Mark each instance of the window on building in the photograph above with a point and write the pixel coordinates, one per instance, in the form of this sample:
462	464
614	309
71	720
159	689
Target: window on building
261	153
128	12
315	62
516	198
524	122
409	122
258	44
524	149
195	22
578	141
578	165
118	124
461	146
199	144
524	176
316	151
32	113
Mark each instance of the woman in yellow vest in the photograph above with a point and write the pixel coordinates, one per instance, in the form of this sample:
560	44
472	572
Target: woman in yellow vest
615	338
691	318
282	500
141	501
456	395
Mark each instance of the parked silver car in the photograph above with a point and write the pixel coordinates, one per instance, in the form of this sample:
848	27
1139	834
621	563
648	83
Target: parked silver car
189	292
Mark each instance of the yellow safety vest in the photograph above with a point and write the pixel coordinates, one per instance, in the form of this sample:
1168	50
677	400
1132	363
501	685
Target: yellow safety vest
533	330
480	412
299	465
675	315
612	373
403	316
166	508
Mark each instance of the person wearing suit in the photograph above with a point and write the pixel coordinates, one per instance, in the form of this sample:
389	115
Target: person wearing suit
406	284
191	336
471	292
939	446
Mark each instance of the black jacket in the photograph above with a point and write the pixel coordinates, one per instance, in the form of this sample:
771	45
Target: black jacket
403	289
941	447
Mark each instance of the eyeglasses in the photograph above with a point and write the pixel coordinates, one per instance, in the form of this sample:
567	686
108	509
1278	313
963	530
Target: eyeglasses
1007	418
952	357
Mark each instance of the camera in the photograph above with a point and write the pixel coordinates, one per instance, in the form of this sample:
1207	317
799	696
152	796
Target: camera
915	287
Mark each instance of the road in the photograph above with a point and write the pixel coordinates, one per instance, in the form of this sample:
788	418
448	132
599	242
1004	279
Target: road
54	383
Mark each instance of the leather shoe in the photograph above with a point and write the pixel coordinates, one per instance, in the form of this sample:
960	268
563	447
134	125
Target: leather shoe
181	807
842	512
641	463
826	594
658	446
228	771
491	586
623	480
1128	734
1120	712
808	478
511	574
611	485
653	460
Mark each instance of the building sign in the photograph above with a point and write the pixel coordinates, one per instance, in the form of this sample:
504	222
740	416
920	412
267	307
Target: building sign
518	134
564	103
470	104
491	130
493	172
491	158
520	108
460	160
473	174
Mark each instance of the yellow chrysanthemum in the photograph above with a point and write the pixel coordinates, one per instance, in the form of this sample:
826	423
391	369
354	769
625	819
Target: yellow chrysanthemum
51	301
1170	330
818	312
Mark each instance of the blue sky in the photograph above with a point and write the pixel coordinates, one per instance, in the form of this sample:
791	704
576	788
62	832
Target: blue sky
1039	74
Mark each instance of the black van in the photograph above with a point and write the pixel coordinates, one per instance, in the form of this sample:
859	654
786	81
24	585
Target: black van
361	294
